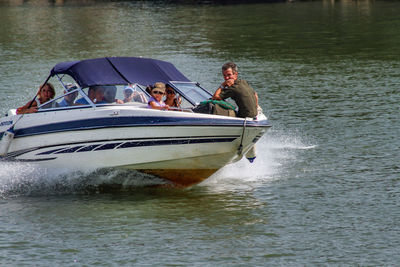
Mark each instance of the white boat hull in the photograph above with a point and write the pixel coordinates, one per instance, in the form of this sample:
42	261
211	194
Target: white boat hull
182	147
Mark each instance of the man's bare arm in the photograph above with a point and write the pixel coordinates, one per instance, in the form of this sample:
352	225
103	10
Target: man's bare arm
216	94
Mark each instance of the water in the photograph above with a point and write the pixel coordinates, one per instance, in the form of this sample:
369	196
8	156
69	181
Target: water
323	189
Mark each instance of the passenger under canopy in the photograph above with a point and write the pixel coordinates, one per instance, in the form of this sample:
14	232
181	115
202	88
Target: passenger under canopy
120	73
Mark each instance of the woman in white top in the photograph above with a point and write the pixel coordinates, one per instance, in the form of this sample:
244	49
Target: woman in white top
45	94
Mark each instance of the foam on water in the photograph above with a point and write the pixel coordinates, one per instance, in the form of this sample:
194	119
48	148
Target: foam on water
28	179
274	151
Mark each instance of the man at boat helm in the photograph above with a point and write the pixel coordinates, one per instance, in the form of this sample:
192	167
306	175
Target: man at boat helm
239	90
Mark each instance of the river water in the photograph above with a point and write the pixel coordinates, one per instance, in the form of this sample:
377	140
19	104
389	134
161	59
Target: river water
324	189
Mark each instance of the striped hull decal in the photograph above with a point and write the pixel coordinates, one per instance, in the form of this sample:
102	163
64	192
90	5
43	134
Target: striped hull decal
88	146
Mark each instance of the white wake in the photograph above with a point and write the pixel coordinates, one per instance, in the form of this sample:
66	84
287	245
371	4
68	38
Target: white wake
275	151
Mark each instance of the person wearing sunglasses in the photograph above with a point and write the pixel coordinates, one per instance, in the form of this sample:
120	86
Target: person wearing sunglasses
157	94
171	99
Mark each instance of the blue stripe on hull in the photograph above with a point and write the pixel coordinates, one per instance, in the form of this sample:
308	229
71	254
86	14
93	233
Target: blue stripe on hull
97	123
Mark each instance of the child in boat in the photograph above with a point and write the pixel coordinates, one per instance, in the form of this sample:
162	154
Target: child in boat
131	95
157	94
128	95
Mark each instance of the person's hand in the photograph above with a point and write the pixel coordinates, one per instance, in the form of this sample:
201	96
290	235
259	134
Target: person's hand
229	82
32	110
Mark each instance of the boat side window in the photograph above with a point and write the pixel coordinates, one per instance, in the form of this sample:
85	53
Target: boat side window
67	91
69	96
133	93
85	93
115	94
194	93
62	101
185	103
52	103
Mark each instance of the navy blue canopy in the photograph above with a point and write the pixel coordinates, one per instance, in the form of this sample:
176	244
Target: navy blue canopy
119	70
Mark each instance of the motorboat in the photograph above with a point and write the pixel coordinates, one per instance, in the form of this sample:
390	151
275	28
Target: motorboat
179	145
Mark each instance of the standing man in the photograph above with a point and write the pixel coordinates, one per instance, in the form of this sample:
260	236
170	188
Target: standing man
239	90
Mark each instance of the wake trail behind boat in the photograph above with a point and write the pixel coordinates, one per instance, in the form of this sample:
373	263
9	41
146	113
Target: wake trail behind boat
24	179
275	150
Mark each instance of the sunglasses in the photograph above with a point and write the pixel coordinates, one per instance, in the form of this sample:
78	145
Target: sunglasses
158	92
170	92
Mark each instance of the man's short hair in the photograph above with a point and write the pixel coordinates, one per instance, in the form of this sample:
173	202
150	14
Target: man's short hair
230	65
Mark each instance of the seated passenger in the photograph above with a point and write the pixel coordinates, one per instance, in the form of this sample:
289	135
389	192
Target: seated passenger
157	94
109	95
149	88
128	95
95	94
70	98
83	101
99	95
132	95
171	100
46	93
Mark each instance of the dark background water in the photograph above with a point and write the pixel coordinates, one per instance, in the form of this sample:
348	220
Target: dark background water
324	189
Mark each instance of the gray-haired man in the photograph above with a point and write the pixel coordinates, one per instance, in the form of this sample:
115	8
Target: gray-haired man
239	90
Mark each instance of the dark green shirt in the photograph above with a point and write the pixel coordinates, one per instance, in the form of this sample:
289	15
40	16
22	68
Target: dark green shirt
244	96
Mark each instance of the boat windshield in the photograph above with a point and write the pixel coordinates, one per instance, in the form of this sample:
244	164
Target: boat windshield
70	95
111	94
192	91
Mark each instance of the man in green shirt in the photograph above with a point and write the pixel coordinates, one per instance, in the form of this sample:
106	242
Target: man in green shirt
239	90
